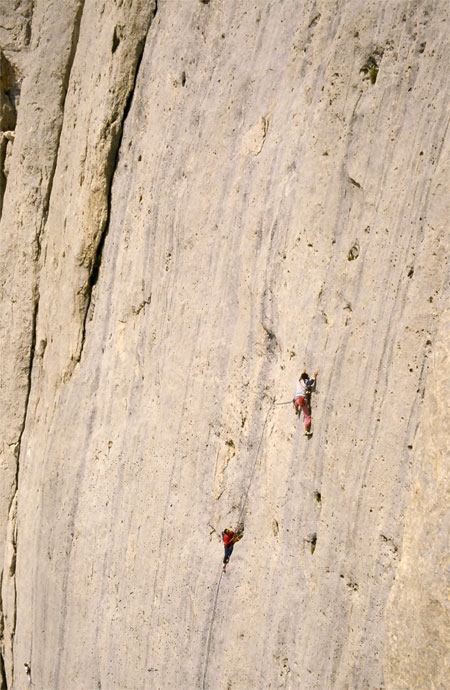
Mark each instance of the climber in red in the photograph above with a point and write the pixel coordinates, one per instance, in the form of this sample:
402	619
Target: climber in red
229	539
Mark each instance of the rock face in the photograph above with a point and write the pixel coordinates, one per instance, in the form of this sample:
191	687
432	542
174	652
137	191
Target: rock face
417	615
199	200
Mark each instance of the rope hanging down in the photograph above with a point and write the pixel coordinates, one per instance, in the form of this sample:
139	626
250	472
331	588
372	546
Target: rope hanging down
241	513
244	502
208	644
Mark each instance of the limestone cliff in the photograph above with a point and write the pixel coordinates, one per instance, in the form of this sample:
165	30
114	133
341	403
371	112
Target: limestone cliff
200	199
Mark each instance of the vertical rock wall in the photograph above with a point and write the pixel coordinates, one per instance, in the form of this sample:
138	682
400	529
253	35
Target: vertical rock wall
202	199
418	614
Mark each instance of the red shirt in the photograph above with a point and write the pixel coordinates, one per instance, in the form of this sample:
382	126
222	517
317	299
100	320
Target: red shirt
227	538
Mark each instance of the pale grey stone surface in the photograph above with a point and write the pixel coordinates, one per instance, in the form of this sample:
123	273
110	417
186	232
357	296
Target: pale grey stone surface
418	612
202	199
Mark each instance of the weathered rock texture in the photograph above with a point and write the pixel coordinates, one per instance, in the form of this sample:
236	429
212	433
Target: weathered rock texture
200	199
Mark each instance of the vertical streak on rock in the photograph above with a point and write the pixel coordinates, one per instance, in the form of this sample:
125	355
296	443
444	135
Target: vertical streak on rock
110	168
64	85
9	581
23	219
90	140
10	591
417	614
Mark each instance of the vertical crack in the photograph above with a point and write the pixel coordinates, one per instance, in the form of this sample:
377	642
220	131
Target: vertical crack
109	172
35	304
64	87
9	93
11	536
32	343
8	585
3	682
3	685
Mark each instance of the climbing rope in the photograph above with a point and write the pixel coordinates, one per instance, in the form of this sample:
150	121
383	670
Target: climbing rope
208	644
244	502
254	466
